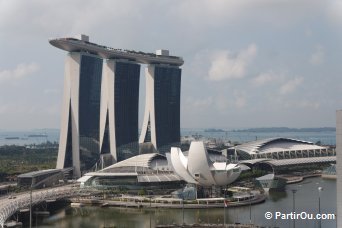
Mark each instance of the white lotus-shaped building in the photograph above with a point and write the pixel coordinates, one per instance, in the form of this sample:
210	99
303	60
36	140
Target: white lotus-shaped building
197	168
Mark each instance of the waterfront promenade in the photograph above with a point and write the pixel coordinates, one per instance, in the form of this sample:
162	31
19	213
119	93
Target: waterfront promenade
146	202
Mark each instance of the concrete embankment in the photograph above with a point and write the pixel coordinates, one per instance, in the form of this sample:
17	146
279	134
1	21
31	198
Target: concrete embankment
210	225
328	176
296	179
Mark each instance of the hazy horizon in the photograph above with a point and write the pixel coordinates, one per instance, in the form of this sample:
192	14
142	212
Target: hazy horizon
40	130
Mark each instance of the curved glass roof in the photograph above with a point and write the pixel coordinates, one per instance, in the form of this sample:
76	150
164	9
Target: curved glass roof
275	145
139	161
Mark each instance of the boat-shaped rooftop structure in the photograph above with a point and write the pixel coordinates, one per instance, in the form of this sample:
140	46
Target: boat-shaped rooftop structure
72	44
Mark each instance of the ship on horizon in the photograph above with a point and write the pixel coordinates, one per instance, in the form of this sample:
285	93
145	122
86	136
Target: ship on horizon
37	135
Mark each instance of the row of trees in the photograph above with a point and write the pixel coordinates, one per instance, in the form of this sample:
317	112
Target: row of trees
15	160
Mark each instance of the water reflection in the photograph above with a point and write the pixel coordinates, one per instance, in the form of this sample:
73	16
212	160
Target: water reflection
277	196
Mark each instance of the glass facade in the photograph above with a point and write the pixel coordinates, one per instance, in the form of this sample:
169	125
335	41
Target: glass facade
105	144
89	110
148	133
68	153
126	96
167	85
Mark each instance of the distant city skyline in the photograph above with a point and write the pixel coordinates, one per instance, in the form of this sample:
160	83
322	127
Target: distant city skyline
247	64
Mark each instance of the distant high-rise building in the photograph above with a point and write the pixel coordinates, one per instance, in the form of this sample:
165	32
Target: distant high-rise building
339	165
161	124
101	100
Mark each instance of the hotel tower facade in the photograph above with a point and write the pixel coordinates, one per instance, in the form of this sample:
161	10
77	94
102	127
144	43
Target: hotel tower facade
99	123
161	125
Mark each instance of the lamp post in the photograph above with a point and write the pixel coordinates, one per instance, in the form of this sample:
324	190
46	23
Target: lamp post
150	211
294	205
183	207
320	189
224	212
31	206
224	207
250	208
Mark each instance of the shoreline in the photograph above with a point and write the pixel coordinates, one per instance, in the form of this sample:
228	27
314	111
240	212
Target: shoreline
297	179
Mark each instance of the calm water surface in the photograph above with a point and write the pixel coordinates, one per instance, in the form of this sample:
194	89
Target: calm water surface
306	199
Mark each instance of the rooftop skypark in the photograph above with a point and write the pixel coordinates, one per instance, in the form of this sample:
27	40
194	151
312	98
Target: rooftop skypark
83	44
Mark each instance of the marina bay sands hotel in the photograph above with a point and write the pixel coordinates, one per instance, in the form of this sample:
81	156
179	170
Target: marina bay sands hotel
99	120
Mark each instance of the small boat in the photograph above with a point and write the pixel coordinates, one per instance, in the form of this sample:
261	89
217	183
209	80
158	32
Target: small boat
11	138
41	213
37	135
13	224
105	205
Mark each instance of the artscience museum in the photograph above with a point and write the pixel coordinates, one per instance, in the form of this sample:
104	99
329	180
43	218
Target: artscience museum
198	168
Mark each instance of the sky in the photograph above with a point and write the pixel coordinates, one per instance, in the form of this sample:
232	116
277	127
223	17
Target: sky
251	63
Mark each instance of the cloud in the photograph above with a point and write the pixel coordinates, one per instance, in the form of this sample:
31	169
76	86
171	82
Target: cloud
291	85
53	110
23	107
219	30
15	108
317	57
305	104
335	11
308	32
209	13
20	71
220	103
199	102
51	91
226	66
264	78
240	99
203	103
4	109
218	12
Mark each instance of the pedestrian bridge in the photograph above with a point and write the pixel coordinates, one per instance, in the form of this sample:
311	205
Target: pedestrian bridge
12	204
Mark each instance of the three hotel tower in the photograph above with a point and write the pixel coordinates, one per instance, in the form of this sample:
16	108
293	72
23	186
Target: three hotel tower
99	123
